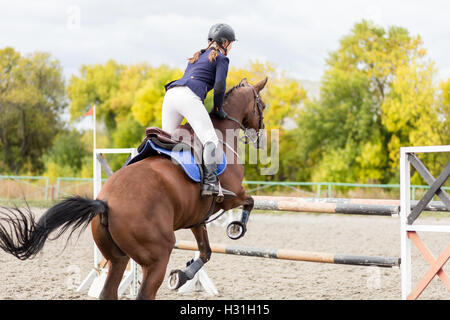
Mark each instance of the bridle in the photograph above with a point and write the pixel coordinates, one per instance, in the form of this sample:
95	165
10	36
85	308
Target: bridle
249	133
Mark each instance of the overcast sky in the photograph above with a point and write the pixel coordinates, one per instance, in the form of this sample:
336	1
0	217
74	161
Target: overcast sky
296	35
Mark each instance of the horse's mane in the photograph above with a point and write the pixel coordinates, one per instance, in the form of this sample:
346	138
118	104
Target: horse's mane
229	92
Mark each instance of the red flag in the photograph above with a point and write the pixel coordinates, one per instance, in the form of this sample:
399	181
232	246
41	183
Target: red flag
90	112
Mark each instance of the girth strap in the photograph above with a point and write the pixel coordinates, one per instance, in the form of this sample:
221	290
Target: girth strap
208	214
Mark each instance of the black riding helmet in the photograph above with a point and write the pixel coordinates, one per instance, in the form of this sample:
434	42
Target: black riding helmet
220	32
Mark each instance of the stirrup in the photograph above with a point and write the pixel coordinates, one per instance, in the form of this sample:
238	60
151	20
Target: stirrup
220	194
220	197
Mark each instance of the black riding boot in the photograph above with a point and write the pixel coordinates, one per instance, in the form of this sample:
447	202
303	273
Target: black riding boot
210	186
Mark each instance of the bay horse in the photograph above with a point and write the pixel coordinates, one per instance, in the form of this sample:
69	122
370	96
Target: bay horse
141	205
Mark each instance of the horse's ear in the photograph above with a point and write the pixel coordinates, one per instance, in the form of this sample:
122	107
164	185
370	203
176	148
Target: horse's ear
260	85
243	82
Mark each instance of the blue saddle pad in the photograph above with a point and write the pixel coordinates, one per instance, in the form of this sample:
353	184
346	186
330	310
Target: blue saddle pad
183	157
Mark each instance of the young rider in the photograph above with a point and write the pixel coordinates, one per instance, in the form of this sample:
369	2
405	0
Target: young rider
206	70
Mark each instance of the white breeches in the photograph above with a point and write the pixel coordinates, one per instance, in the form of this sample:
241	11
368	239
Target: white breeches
182	102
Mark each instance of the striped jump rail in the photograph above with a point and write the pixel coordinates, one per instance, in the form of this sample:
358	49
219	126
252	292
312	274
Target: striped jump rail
295	255
338	205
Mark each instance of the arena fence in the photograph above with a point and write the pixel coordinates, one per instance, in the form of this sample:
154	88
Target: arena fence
24	187
13	187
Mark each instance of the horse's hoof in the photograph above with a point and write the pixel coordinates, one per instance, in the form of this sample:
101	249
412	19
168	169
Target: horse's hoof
236	230
176	279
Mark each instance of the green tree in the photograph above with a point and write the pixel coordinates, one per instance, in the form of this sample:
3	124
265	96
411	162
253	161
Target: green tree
444	110
377	94
120	91
67	156
149	98
31	100
129	132
97	85
410	111
68	150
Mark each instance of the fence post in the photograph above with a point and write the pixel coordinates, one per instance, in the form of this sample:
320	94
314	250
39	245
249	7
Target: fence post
47	181
57	187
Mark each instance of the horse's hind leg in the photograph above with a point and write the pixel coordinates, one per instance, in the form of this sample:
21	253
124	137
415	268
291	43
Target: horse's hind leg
153	260
117	260
152	278
116	269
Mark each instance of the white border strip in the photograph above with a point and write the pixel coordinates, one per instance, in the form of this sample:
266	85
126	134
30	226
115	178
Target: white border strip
429	228
424	149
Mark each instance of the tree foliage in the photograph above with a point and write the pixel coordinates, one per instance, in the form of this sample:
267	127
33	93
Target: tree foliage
31	100
67	156
377	94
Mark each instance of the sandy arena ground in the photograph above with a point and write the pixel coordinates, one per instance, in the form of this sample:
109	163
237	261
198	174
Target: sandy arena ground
55	274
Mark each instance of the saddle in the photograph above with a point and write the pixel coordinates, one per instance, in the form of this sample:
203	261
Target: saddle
183	146
183	137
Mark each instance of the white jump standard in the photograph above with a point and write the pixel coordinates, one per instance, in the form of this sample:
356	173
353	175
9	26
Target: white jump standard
408	217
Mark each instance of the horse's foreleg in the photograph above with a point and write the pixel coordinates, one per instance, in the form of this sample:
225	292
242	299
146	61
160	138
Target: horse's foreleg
237	229
201	236
246	209
178	277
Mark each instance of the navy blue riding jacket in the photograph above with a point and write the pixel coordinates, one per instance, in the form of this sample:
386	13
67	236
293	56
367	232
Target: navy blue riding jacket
202	76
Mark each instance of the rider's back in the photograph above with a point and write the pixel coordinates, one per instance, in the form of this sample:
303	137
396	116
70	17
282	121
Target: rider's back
201	75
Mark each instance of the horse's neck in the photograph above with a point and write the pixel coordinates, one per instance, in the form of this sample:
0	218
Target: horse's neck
230	129
230	135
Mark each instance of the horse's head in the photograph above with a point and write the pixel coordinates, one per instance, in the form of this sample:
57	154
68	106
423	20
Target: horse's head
248	111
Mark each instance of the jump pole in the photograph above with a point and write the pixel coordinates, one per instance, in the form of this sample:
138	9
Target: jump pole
338	205
296	255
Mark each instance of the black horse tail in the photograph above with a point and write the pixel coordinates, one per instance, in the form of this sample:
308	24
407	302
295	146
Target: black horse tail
23	237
